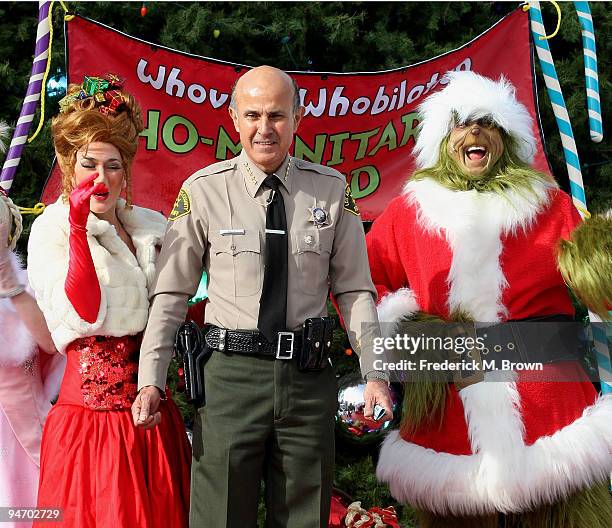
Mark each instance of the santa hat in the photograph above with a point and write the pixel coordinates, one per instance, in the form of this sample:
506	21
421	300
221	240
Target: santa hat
472	96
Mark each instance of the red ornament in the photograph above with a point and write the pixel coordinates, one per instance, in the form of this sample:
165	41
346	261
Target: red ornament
143	10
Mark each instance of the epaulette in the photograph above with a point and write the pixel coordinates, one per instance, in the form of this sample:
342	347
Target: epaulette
215	168
182	204
321	169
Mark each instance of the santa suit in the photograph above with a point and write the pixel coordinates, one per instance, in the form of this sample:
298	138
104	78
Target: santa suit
505	446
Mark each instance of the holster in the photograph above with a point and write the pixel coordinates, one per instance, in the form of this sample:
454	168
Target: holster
316	343
191	347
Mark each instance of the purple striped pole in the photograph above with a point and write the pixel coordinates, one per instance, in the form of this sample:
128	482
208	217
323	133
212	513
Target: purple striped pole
20	136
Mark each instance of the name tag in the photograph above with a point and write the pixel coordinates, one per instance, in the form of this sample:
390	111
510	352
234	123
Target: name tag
224	232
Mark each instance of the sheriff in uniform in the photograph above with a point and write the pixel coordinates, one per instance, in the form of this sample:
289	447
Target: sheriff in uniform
263	418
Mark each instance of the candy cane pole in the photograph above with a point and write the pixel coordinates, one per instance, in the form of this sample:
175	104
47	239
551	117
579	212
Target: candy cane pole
573	165
590	70
20	136
558	104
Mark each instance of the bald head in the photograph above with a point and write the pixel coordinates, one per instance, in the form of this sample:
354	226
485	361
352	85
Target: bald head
266	112
266	76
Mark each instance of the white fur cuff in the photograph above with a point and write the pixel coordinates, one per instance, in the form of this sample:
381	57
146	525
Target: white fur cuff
397	305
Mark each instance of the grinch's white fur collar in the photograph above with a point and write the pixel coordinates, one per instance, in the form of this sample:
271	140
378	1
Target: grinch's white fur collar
473	223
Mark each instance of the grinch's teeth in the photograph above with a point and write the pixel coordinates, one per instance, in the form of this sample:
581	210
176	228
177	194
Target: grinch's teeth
477	153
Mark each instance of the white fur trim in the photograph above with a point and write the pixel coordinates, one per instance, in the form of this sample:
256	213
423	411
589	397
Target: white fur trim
396	305
124	280
504	474
147	229
473	96
476	279
16	342
393	307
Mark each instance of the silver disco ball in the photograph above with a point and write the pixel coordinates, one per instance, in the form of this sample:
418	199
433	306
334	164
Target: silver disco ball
351	424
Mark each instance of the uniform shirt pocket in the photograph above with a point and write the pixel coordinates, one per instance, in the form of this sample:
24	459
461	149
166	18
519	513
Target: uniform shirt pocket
312	249
236	264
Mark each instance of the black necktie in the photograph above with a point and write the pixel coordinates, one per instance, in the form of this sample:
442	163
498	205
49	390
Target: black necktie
273	300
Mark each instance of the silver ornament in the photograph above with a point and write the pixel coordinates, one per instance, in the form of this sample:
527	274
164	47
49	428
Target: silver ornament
351	424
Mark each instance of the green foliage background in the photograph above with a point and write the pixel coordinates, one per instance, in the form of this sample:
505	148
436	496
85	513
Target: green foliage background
319	36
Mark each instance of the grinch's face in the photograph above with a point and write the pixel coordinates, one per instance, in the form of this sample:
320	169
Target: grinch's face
476	146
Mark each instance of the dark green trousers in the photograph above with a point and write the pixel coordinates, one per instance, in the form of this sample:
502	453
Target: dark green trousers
263	419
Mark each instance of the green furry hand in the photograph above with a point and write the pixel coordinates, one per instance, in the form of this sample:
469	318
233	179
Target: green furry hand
585	261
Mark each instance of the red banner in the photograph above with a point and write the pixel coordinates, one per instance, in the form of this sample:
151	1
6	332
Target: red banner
362	124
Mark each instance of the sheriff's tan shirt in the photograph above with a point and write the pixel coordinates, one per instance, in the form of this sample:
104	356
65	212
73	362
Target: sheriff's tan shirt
218	225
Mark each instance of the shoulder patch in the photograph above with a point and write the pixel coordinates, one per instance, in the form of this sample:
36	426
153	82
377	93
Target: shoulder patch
182	206
349	202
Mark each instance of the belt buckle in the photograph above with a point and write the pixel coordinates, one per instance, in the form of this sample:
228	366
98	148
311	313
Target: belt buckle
285	354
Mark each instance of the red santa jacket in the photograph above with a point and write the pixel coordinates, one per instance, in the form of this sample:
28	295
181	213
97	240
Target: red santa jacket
501	446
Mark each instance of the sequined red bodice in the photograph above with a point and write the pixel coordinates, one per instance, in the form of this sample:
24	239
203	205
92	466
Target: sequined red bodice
101	372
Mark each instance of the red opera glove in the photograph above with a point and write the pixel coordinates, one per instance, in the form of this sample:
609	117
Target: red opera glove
82	287
79	200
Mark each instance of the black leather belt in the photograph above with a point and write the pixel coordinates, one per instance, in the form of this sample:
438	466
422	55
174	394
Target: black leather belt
251	342
546	342
558	339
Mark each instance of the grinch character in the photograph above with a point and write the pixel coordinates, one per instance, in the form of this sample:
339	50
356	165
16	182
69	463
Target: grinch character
476	235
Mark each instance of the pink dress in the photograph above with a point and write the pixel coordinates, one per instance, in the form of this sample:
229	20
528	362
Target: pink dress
19	466
29	379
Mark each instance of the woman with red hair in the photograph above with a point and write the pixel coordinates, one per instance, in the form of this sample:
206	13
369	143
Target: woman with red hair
91	262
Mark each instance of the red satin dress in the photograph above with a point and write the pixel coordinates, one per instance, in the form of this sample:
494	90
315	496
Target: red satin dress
95	464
